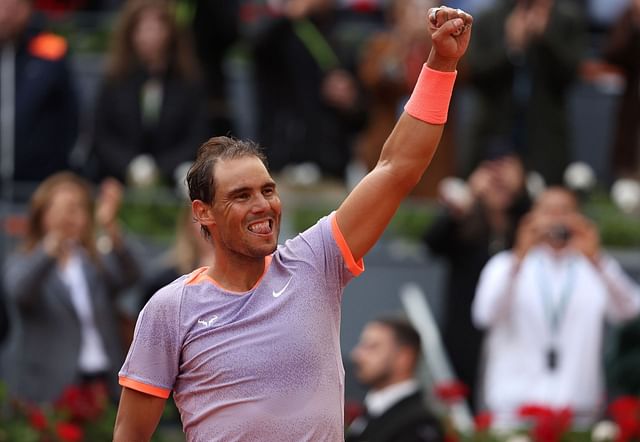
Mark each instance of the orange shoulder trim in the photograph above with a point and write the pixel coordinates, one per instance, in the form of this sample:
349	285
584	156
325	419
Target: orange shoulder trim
144	388
356	268
48	46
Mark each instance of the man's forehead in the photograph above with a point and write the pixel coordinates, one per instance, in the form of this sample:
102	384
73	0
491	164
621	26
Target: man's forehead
239	172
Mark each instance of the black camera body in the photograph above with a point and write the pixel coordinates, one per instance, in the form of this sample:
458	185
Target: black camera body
559	234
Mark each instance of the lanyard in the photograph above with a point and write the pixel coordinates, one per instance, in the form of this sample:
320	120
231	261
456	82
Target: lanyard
555	312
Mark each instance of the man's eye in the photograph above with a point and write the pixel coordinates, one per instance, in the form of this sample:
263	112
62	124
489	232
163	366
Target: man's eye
242	196
268	191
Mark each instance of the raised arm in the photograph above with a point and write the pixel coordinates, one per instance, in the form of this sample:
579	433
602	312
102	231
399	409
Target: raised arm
367	211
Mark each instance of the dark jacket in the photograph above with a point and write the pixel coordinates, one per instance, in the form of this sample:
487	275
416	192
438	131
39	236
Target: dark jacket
45	336
408	420
524	98
120	134
46	109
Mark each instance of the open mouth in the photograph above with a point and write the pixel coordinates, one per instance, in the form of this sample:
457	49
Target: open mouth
263	227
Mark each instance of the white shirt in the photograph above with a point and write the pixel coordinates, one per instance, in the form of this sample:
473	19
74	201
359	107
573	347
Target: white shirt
520	334
377	402
93	356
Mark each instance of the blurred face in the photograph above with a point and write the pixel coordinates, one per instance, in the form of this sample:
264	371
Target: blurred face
14	15
67	213
150	35
409	16
374	356
555	209
246	209
504	181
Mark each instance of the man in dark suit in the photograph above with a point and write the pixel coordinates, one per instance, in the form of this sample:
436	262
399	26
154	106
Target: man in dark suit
385	360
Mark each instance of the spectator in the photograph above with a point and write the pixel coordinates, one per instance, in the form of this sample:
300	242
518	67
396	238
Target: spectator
521	66
151	101
307	100
385	360
60	288
38	106
215	30
388	70
544	304
471	228
623	51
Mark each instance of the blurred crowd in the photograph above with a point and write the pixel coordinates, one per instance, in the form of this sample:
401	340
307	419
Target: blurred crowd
326	81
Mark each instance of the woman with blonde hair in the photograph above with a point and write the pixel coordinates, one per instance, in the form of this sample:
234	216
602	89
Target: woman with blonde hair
60	286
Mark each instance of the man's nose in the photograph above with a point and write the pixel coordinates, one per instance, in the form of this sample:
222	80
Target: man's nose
260	203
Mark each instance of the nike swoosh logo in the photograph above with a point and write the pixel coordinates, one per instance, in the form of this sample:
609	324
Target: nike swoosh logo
281	291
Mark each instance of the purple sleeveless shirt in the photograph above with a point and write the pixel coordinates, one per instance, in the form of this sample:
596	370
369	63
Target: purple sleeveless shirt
264	365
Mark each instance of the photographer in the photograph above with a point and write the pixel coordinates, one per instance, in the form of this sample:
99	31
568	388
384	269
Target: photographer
544	305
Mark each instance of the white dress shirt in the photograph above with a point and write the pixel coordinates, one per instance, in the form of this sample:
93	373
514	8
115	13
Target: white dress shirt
377	402
93	356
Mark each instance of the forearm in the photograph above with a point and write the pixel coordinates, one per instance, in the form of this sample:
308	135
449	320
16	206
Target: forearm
413	142
123	269
623	292
495	295
25	275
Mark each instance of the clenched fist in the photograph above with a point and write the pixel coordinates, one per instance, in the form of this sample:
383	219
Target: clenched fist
450	31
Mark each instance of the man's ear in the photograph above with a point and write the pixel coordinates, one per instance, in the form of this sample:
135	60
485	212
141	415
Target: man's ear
202	212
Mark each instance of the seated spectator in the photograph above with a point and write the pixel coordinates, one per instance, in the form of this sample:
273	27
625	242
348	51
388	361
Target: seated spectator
38	106
61	287
385	360
151	101
477	221
544	304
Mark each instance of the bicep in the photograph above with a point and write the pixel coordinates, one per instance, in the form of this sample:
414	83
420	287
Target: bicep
138	416
366	212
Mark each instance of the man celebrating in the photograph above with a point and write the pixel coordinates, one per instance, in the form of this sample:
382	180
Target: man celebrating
544	305
250	346
385	360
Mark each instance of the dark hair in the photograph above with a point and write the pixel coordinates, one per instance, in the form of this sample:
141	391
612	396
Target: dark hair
404	333
122	58
201	175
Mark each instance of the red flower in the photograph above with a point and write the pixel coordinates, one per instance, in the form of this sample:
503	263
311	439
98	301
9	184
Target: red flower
83	403
483	421
534	411
37	419
69	432
451	391
352	411
625	411
549	424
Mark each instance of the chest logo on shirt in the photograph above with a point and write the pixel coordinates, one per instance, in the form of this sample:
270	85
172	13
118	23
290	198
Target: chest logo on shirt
209	322
281	291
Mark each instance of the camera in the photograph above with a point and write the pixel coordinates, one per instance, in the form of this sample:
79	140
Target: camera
559	234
